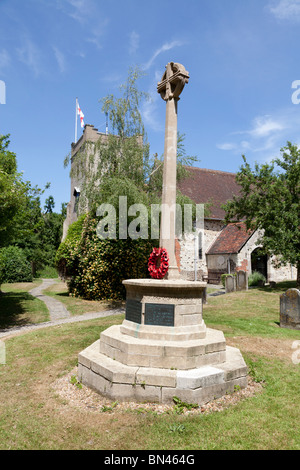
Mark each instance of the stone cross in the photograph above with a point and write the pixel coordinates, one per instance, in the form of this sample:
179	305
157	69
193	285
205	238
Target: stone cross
170	88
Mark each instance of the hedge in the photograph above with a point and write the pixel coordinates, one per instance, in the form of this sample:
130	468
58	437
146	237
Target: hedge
14	266
96	268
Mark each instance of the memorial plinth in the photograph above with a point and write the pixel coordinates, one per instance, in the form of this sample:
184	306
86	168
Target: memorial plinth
162	349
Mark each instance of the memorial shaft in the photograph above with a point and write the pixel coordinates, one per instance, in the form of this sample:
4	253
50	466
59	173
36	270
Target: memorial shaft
168	213
171	86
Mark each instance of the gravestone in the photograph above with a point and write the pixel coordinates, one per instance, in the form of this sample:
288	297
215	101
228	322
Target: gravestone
241	280
290	309
230	284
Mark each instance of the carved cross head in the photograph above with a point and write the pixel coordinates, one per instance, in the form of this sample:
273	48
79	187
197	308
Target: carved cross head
173	81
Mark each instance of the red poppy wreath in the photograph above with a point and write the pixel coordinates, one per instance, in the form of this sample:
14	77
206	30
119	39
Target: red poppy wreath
158	272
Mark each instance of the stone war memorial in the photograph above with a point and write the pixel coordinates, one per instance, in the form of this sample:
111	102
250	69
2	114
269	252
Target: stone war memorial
163	348
290	309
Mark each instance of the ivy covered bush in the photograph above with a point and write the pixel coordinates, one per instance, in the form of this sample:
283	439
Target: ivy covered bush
14	266
67	255
96	268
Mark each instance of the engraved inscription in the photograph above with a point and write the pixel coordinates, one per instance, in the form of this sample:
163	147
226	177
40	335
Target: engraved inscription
159	314
133	311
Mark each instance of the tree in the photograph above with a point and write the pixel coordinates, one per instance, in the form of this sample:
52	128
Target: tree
123	154
270	202
13	191
23	225
49	205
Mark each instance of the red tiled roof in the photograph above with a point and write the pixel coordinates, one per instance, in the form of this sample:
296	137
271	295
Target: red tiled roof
204	186
231	240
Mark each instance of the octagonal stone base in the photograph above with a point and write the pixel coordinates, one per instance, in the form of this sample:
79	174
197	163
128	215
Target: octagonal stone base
117	381
162	349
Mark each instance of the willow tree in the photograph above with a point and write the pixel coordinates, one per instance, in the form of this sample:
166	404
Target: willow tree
119	163
121	155
270	202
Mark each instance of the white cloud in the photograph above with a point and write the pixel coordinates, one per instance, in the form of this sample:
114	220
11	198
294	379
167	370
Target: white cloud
165	47
263	126
227	146
97	32
150	107
4	59
134	42
232	146
286	9
149	117
266	135
30	55
80	9
60	58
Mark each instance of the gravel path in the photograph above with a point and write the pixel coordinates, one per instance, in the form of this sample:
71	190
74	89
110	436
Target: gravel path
58	312
56	309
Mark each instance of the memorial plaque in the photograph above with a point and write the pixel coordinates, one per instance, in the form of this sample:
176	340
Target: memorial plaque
159	314
133	311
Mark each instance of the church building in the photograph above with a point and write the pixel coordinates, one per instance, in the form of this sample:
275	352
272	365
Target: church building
218	248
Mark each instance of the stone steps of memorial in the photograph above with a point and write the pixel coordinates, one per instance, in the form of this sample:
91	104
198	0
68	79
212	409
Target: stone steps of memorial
126	383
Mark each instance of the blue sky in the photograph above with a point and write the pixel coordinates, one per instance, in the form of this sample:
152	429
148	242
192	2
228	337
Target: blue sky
242	56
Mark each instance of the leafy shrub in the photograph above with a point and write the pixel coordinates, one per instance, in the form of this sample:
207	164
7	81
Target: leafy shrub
66	259
96	268
14	266
256	278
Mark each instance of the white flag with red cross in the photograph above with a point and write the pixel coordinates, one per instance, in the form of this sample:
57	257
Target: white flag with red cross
80	113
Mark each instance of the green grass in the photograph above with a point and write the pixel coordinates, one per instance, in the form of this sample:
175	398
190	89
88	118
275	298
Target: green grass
48	272
77	306
32	416
253	312
19	308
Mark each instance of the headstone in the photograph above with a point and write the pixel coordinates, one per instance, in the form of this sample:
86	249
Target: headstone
290	309
230	284
241	280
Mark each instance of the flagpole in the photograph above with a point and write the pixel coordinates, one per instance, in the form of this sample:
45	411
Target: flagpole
76	120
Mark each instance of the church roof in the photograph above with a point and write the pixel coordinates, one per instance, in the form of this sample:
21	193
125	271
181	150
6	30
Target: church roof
210	186
231	240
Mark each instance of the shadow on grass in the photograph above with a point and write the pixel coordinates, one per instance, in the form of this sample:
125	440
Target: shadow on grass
108	303
12	309
280	287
